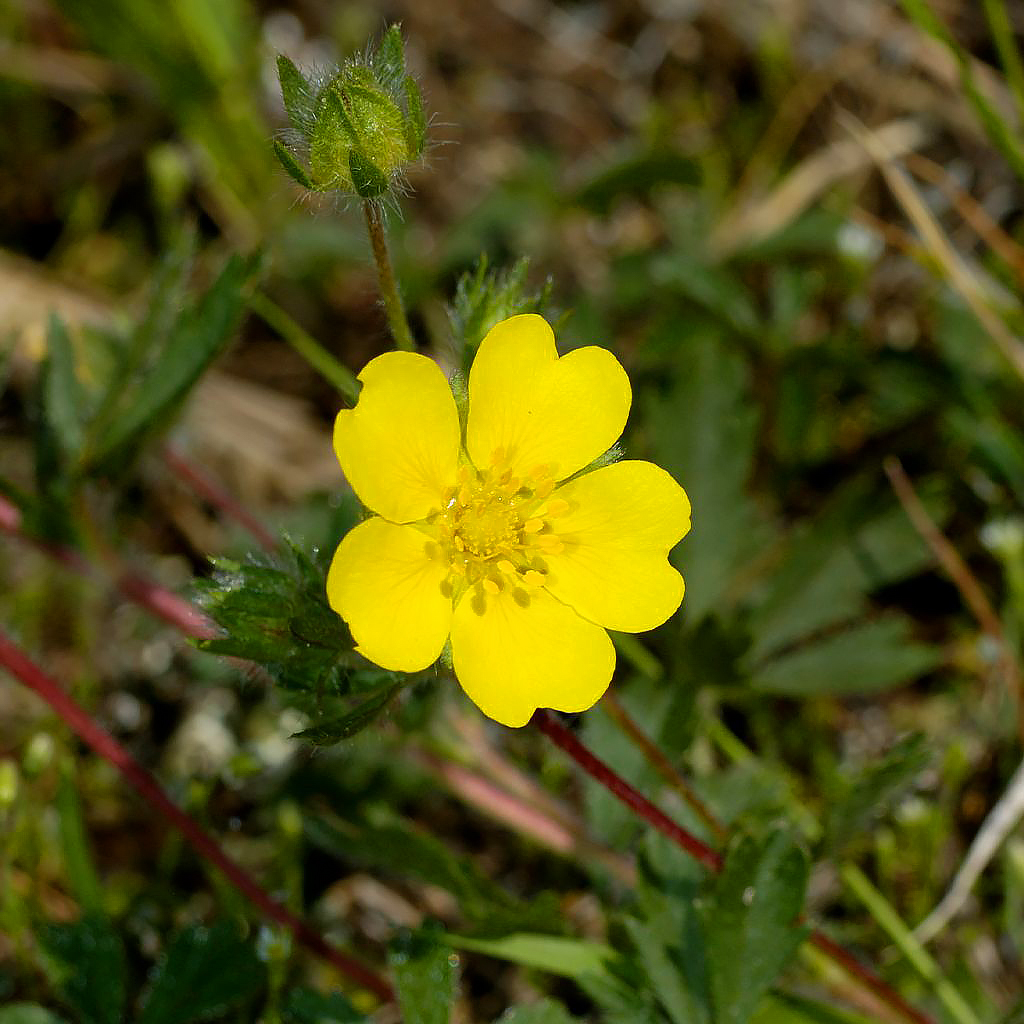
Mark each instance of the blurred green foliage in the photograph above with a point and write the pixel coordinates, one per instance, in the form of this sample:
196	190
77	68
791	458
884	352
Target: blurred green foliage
822	687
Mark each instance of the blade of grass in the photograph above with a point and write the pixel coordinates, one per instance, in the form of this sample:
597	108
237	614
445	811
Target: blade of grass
306	345
903	938
1006	46
1001	134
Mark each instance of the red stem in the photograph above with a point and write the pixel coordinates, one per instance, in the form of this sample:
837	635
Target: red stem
163	603
193	622
711	859
27	672
211	491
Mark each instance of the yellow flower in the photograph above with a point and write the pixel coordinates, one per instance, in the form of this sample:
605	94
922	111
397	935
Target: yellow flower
486	540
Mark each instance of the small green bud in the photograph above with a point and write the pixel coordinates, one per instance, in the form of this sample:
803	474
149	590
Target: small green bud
8	784
360	129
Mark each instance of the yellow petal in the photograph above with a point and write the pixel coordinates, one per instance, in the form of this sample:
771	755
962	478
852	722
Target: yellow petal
386	585
399	447
622	522
538	409
514	653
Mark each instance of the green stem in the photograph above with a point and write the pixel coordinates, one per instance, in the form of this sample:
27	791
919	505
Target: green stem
903	938
388	286
307	346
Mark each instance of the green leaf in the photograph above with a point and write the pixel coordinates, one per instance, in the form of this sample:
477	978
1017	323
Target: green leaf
667	978
65	401
306	1006
703	432
870	794
87	961
425	977
568	958
832	563
368	180
750	922
78	858
298	96
28	1013
544	1012
200	334
292	166
713	288
204	973
345	726
867	658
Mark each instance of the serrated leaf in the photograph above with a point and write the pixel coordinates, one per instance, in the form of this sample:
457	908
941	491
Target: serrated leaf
204	973
546	1011
346	726
703	432
200	334
28	1013
425	977
831	564
87	961
368	180
297	94
63	395
568	958
750	922
871	793
306	1006
864	659
292	166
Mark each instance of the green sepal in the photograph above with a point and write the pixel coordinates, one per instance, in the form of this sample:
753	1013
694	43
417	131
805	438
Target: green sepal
333	136
415	120
292	166
389	62
368	180
299	100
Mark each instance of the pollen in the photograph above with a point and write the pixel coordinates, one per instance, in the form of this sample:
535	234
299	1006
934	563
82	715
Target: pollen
493	527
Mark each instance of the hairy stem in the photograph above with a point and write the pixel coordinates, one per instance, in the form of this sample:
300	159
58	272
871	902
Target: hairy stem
700	851
104	745
386	275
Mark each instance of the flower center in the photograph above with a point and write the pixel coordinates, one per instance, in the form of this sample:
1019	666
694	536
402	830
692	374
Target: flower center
495	530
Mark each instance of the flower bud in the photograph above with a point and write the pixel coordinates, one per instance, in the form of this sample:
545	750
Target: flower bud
358	130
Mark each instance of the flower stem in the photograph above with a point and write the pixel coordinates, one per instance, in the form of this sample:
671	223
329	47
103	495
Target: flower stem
388	286
306	345
619	787
700	851
211	491
660	762
103	744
